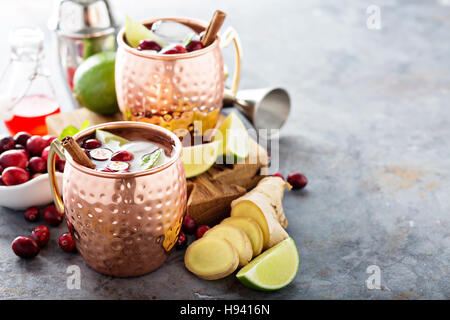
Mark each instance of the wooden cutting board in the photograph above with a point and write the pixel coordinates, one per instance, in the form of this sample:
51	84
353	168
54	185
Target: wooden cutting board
211	193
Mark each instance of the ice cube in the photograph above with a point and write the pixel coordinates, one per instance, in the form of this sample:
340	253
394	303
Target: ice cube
172	31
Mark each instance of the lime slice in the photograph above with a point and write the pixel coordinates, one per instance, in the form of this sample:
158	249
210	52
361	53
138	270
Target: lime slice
109	139
198	159
273	269
136	31
234	137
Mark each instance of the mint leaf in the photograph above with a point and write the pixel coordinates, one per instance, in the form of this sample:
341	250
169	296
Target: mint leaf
72	130
150	159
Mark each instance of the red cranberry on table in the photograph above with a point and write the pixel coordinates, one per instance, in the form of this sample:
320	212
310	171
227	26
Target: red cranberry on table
19	147
22	138
122	156
48	139
278	175
182	240
194	45
14	158
25	247
32	214
6	143
297	180
66	242
35	145
189	226
15	175
1	169
177	49
149	45
41	234
201	231
37	165
51	216
92	144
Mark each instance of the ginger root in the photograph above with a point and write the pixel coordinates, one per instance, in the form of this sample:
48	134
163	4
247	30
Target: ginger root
211	258
264	205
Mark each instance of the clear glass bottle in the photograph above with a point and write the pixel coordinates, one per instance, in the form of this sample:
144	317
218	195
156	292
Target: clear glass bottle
26	94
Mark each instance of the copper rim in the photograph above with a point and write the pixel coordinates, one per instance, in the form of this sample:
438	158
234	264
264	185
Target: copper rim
200	23
124	124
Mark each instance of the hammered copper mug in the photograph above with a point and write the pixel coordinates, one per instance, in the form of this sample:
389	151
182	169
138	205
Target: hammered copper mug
174	90
123	224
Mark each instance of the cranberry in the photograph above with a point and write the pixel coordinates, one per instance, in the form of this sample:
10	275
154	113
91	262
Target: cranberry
19	147
148	45
92	144
14	175
1	169
35	145
60	165
14	158
177	49
41	234
122	156
32	214
189	225
297	180
25	247
100	154
1	182
6	143
201	231
51	216
48	139
182	240
66	242
278	175
22	138
37	165
194	45
35	175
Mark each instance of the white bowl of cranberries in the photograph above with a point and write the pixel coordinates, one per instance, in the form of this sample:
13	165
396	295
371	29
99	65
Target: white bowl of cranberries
23	170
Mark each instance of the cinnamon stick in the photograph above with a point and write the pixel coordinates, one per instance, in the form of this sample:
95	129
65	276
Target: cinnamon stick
75	151
213	28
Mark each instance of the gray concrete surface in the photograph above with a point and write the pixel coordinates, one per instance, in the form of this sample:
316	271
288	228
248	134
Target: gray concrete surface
370	128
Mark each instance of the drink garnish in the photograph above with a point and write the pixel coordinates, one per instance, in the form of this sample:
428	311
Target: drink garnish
118	166
149	160
100	154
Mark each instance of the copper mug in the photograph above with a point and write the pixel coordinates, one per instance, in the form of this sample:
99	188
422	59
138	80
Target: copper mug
174	90
123	224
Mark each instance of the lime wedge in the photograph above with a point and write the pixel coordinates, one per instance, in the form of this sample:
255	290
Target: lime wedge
136	31
234	137
273	269
198	159
108	138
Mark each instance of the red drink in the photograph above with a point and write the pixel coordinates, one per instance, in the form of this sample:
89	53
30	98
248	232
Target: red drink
30	113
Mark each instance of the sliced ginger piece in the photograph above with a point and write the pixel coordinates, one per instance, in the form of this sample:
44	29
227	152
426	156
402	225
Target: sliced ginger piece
263	204
251	229
211	258
236	237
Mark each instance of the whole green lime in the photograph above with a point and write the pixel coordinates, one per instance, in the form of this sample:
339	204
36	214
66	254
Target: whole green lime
94	85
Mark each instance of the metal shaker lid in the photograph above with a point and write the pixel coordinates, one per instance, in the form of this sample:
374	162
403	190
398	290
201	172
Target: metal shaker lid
83	18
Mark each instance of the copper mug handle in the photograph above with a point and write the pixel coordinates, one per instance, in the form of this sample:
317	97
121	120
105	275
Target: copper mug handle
230	34
56	148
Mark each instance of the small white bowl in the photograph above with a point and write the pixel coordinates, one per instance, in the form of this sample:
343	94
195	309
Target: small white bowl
35	192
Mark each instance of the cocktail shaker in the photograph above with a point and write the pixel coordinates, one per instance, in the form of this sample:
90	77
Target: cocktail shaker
82	28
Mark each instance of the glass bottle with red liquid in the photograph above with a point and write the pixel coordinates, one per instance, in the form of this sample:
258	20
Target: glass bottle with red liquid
26	94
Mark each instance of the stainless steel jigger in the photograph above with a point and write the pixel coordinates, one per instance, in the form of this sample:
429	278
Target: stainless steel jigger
266	108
